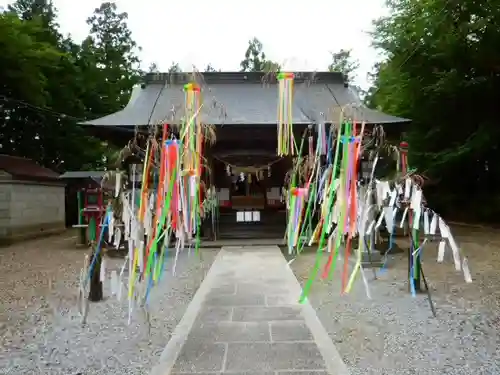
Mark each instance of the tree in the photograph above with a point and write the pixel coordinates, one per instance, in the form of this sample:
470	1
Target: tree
25	62
343	62
42	11
174	68
255	59
47	130
210	68
270	66
110	59
441	70
153	68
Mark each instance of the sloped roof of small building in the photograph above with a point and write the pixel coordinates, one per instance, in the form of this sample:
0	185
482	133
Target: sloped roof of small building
232	98
26	169
82	174
97	176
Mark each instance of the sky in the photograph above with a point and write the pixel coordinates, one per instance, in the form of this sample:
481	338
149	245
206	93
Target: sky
297	34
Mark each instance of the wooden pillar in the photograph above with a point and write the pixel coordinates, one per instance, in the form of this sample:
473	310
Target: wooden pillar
209	223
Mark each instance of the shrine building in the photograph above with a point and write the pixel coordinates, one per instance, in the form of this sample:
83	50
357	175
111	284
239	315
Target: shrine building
246	171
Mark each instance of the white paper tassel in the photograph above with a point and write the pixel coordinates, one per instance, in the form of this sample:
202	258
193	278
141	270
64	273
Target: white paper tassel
426	222
379	221
416	198
330	242
389	219
111	227
455	252
443	228
416	219
102	276
118	183
114	283
192	186
407	189
118	238
441	249
177	250
467	275
374	165
141	256
405	212
394	195
370	228
365	282
433	226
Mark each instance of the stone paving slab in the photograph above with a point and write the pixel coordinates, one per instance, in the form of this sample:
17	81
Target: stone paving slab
290	331
273	357
266	313
245	319
232	331
226	373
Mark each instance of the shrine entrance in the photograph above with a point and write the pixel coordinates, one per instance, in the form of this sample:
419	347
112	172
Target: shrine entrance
248	177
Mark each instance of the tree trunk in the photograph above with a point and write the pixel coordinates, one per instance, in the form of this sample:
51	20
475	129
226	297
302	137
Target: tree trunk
96	292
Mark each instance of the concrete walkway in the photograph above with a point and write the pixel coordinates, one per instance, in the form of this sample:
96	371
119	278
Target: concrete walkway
245	319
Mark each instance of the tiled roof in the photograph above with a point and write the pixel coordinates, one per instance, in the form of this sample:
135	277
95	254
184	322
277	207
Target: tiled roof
82	174
242	98
23	168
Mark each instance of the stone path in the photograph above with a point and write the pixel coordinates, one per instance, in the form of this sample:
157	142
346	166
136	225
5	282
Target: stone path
245	319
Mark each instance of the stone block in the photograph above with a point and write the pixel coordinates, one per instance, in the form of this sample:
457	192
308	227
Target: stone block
290	331
261	287
303	372
223	289
237	373
209	314
235	300
199	356
231	332
282	300
266	314
273	357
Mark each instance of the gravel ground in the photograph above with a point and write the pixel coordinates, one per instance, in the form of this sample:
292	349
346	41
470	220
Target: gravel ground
40	328
394	333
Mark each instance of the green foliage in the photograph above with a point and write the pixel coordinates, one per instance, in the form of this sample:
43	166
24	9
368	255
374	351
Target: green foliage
153	68
255	59
112	57
210	68
442	71
50	83
174	68
343	62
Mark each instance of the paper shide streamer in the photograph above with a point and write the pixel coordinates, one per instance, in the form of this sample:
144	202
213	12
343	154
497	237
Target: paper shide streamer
167	205
348	207
286	142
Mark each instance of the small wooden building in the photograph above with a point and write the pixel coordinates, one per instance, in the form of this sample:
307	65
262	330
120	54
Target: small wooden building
31	200
246	171
78	181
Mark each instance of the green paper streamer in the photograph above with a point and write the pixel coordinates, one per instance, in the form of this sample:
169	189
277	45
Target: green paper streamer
293	182
161	223
343	177
319	253
92	229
